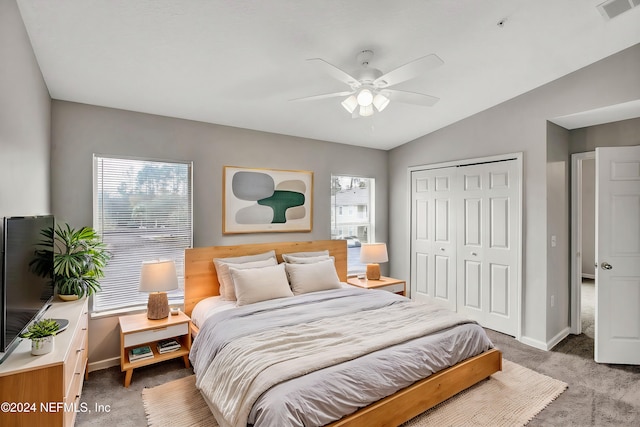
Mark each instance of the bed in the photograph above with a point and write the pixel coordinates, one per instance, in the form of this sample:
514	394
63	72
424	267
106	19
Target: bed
413	398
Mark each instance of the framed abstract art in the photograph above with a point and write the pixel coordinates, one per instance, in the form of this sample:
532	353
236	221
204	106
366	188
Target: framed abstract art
266	200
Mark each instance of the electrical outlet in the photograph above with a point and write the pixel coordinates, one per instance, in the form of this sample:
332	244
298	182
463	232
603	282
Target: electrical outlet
552	300
554	241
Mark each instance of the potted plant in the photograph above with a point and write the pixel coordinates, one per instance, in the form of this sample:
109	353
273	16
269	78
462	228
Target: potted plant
79	259
41	334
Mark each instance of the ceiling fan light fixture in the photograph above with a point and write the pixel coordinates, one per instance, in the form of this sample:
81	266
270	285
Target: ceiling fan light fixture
366	110
350	104
365	98
380	102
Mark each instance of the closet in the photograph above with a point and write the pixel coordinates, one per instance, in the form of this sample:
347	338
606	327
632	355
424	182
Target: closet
466	239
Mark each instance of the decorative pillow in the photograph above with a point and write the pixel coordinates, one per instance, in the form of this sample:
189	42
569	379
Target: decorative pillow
307	260
319	276
260	284
224	277
304	255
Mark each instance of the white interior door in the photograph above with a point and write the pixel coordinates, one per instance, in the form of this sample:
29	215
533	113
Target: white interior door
433	237
617	323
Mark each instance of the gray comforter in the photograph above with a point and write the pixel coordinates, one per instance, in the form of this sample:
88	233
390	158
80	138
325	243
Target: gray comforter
311	359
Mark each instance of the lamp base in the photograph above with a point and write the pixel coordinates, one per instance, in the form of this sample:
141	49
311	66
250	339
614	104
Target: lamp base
158	306
373	271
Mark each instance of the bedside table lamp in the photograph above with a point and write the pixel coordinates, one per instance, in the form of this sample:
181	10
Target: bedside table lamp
158	277
372	254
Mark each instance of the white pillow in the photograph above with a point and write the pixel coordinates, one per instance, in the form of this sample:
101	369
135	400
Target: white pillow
260	284
307	259
304	254
222	269
319	276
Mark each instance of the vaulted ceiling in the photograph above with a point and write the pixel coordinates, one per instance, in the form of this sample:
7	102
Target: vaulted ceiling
240	63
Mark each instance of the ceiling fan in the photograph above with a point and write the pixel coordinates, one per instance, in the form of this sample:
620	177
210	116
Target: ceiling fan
370	88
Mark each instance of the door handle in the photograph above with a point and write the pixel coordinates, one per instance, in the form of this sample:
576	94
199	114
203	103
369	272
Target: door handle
606	266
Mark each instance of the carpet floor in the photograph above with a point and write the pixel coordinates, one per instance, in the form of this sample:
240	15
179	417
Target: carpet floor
509	398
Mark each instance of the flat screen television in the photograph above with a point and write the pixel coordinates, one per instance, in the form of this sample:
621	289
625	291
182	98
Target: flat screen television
25	294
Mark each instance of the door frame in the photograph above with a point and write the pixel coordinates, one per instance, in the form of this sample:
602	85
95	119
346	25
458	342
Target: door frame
576	238
518	157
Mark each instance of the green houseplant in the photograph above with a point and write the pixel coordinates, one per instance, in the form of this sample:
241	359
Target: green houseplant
41	334
79	260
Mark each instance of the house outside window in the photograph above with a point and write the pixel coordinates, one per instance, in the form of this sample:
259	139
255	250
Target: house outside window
143	211
352	215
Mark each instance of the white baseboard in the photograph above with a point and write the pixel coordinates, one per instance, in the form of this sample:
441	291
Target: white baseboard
533	343
103	364
559	337
546	346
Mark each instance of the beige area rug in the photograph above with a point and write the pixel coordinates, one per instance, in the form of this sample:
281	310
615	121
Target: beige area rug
509	398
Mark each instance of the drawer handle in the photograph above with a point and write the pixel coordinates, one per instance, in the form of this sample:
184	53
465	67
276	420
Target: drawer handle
84	329
159	329
79	350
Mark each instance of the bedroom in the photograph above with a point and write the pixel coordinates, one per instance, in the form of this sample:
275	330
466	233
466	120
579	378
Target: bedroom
53	154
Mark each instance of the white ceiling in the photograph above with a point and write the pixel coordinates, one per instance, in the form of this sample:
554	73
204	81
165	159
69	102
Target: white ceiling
239	63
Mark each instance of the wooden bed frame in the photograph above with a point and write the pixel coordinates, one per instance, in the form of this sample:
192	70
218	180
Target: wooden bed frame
201	281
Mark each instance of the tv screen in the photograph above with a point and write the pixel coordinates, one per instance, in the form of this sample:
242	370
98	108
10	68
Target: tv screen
25	294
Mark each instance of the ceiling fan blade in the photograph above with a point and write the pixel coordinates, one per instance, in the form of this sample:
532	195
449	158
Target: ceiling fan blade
408	71
336	72
411	97
324	96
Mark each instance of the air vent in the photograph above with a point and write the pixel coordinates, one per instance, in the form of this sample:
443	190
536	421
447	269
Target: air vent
612	8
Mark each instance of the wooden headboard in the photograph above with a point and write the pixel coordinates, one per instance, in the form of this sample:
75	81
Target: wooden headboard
201	279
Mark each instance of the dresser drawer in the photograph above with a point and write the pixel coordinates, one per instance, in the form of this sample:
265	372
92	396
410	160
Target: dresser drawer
137	338
75	362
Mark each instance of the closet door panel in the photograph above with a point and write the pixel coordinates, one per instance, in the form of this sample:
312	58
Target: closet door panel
465	240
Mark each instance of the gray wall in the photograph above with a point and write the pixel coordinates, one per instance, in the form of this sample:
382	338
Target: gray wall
79	131
25	111
558	220
518	125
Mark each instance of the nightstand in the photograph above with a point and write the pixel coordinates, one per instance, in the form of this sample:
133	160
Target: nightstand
136	331
385	283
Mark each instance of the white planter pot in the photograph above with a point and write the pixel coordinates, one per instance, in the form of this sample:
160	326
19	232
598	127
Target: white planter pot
40	346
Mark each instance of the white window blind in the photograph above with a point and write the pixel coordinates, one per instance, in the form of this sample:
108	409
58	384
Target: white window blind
143	211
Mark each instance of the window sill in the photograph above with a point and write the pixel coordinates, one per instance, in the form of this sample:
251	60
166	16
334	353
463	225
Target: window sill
125	311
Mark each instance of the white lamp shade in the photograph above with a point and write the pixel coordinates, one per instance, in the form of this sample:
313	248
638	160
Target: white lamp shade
380	101
365	98
350	103
373	253
366	111
158	276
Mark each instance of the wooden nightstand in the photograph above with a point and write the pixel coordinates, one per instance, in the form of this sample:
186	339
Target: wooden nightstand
385	283
136	330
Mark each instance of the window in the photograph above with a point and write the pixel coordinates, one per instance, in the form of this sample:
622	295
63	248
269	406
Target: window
143	211
352	215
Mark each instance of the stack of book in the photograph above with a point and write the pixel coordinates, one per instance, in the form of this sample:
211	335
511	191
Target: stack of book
140	353
166	346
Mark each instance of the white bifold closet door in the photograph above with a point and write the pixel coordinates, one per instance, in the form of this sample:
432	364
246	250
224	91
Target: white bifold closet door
464	241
